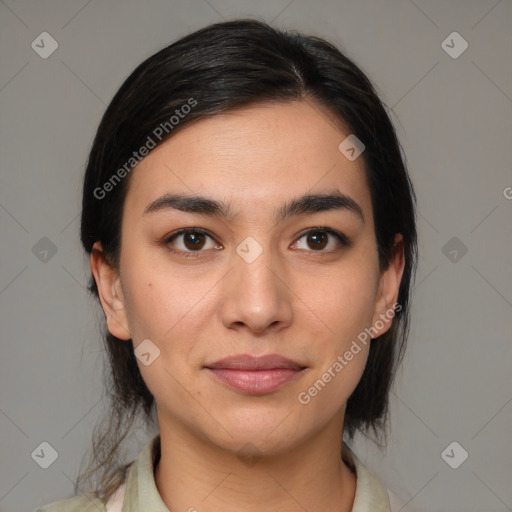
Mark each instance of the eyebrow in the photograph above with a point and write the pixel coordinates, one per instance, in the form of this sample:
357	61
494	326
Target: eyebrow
303	205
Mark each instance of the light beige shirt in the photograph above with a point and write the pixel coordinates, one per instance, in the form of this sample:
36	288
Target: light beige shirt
141	494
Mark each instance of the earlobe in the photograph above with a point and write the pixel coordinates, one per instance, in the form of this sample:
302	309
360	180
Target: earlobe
110	293
389	287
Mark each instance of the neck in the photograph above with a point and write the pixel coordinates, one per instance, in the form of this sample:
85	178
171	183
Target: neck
193	474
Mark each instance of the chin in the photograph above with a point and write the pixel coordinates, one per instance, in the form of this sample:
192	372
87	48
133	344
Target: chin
272	434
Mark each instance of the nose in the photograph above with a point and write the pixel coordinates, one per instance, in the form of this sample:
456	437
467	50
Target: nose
255	292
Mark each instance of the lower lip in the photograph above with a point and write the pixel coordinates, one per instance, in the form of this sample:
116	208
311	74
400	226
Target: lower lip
255	382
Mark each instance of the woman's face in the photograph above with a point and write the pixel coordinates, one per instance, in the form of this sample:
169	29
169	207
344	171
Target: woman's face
262	280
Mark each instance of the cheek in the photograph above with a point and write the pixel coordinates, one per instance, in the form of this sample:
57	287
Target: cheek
152	293
167	306
341	301
341	348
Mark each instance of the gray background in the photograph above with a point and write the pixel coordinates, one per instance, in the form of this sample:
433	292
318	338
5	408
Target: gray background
453	117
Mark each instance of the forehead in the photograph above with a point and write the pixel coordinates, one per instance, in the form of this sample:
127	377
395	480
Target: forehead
252	158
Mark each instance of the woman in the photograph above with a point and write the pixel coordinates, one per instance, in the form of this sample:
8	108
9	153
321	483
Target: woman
251	230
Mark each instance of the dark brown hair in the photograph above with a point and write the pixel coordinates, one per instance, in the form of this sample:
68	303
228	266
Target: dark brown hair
219	68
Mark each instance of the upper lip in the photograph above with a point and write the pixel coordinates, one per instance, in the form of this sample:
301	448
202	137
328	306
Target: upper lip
248	362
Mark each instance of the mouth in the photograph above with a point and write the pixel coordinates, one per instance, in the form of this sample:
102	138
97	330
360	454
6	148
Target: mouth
255	375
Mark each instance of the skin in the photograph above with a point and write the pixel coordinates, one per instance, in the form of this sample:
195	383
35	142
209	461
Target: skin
291	300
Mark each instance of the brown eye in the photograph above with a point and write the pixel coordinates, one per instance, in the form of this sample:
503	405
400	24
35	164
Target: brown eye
193	240
318	239
189	241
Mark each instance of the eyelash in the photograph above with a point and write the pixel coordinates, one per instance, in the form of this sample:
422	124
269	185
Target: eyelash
343	240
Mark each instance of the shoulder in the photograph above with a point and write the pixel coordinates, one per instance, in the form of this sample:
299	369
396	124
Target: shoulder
76	504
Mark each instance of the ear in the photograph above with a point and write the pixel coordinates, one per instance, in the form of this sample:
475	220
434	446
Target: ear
389	286
110	292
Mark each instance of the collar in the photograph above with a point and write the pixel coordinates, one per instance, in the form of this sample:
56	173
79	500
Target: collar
142	494
371	495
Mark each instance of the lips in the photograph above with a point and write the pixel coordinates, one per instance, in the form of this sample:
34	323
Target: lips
247	362
255	375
